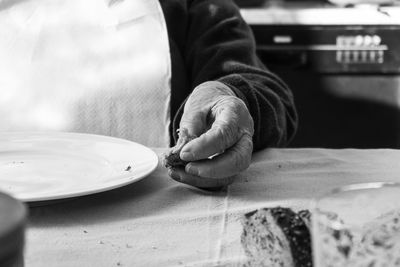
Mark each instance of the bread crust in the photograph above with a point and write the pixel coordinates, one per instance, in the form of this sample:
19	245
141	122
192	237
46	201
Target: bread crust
271	234
172	158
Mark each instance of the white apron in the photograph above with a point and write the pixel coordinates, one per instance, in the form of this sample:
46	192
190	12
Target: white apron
85	66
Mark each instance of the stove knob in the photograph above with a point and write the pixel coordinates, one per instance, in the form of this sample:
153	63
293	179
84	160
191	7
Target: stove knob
359	40
367	40
376	40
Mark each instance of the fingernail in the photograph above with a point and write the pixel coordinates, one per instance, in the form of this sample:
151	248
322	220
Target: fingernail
187	156
192	170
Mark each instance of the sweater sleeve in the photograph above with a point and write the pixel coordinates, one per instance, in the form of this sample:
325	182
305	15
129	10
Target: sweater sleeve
220	46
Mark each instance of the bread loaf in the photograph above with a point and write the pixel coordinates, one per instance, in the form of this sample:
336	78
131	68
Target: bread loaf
277	237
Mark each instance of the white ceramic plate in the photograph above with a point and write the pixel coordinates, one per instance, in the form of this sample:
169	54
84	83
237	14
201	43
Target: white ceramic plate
52	166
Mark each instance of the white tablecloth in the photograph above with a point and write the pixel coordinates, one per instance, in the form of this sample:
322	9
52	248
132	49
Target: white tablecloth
158	222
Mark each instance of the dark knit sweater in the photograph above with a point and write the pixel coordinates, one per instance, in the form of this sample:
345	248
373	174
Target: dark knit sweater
209	41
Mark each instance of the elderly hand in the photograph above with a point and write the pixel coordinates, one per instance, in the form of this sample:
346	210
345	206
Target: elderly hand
224	144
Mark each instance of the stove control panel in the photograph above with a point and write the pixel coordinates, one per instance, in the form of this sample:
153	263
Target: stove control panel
360	49
331	48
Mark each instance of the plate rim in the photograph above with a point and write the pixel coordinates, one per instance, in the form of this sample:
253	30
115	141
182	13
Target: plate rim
127	181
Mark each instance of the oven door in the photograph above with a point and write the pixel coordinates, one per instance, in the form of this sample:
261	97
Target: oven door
348	95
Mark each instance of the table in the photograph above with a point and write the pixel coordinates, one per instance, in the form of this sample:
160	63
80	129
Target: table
159	222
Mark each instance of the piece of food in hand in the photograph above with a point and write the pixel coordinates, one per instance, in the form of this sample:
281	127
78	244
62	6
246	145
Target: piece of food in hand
277	237
172	158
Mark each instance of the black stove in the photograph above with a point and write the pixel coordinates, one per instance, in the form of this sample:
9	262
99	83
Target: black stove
342	62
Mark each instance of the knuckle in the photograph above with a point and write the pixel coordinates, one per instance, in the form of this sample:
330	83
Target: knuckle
240	160
250	126
242	155
245	119
249	146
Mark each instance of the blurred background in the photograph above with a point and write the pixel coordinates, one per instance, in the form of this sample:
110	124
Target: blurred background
342	61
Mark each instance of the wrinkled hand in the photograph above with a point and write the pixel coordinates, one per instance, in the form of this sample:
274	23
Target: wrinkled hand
224	144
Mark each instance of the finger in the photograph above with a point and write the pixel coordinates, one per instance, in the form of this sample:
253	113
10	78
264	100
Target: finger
199	104
224	133
201	182
231	162
193	119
